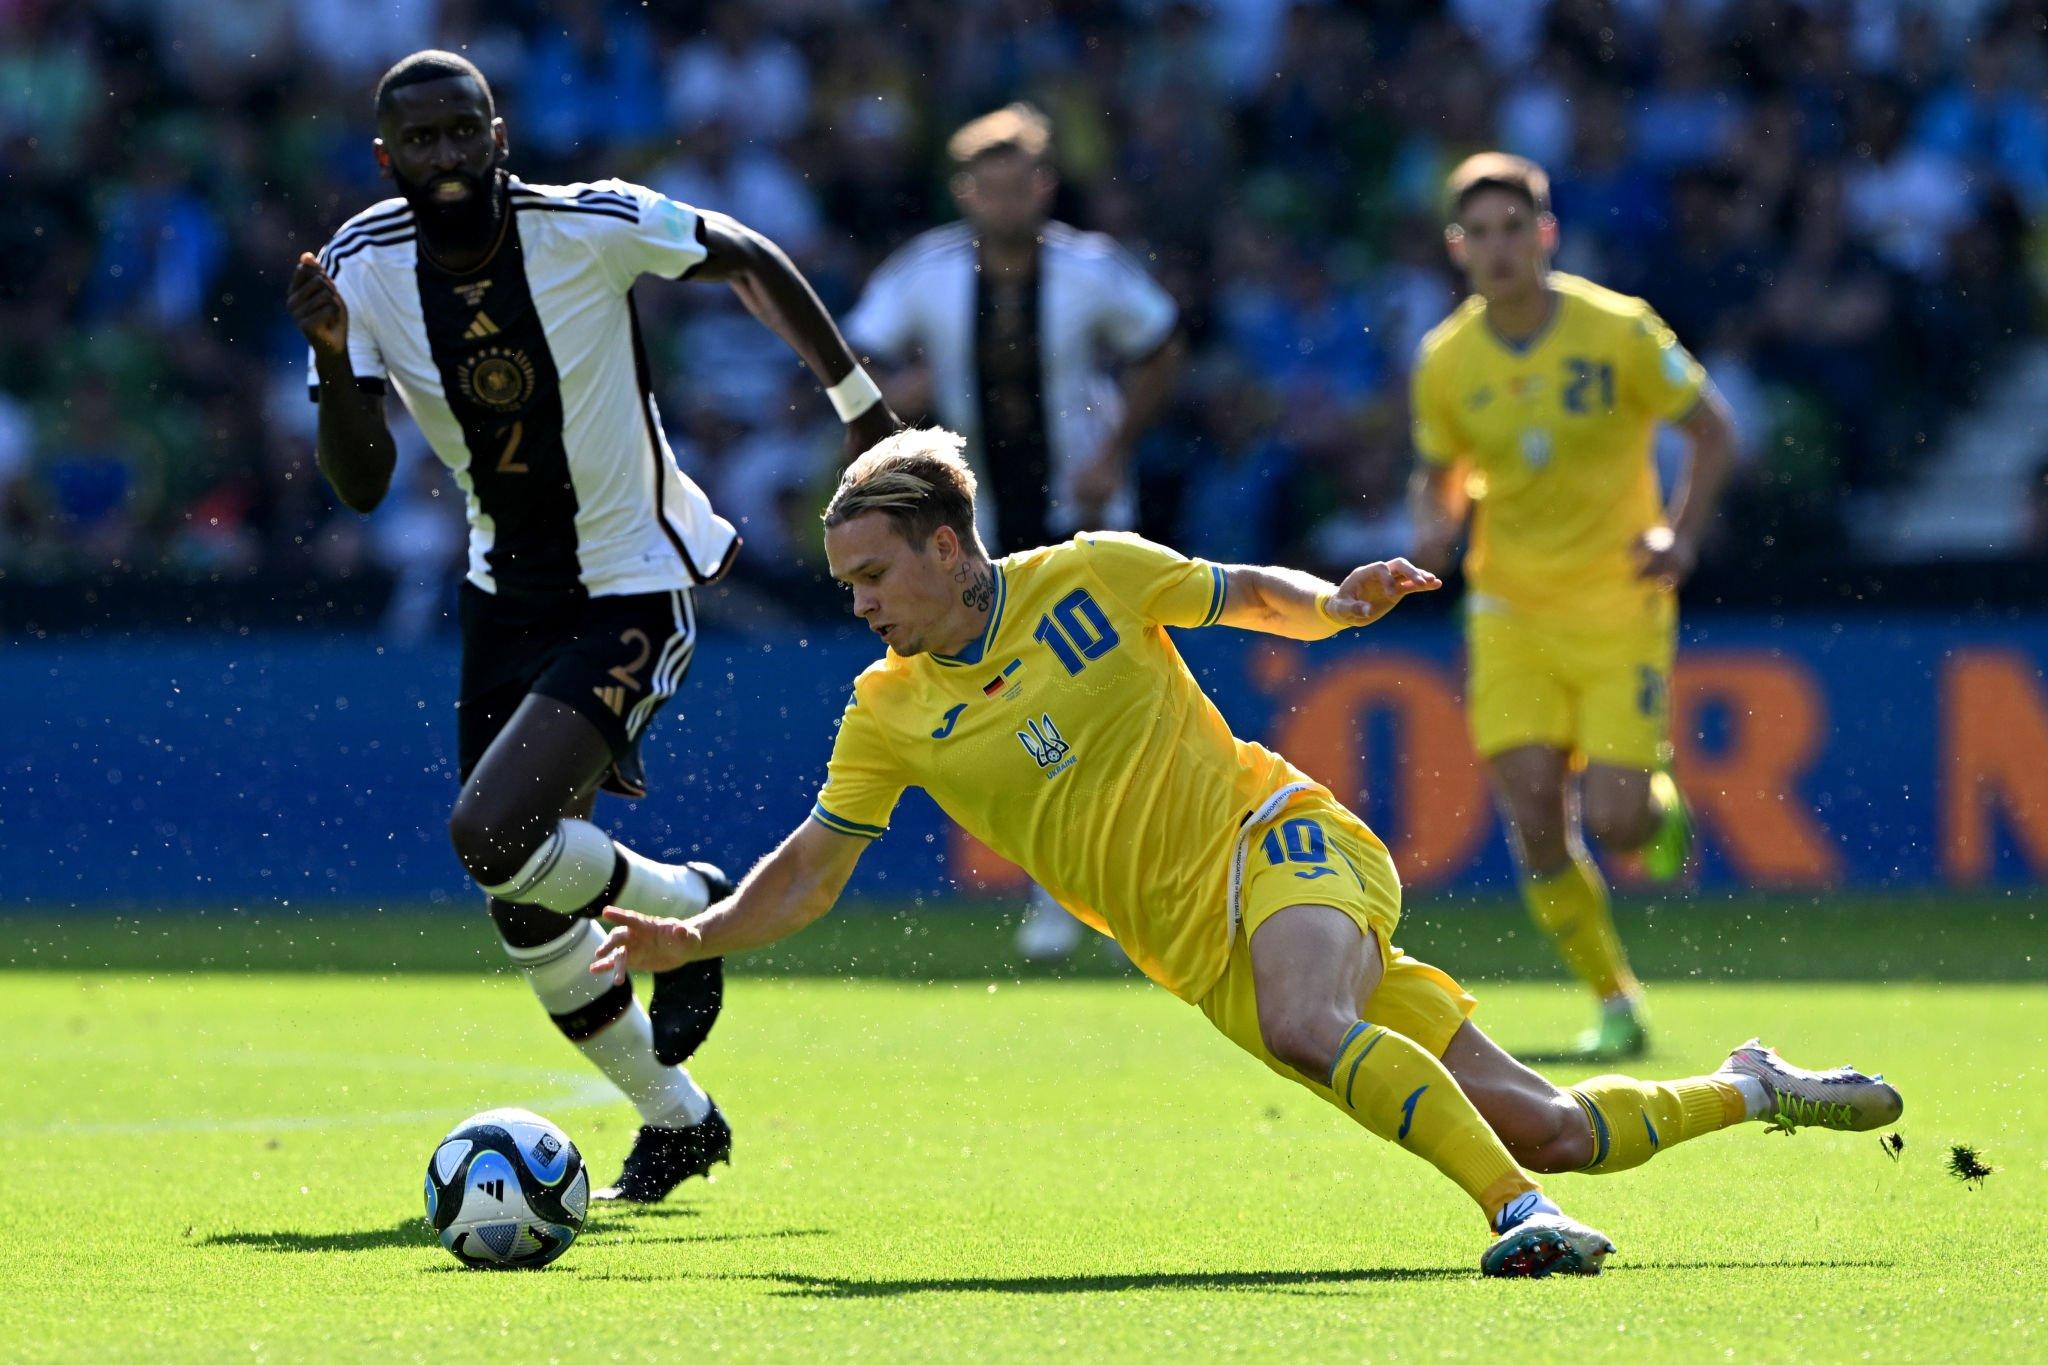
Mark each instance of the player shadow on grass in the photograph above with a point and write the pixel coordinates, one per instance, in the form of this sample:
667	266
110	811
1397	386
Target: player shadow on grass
626	1215
1279	1281
818	1286
625	1234
407	1232
1802	1263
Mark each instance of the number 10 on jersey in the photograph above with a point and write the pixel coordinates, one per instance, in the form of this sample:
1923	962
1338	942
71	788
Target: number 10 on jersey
1076	631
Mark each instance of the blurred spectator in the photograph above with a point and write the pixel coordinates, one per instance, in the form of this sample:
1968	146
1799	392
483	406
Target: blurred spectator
422	543
17	514
1243	503
750	182
1839	205
2037	513
1904	200
591	81
740	76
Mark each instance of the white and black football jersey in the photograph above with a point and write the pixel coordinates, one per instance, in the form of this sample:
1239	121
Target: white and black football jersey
1024	374
528	377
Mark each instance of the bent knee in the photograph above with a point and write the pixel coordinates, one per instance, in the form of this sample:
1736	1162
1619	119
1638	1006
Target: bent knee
492	849
1306	1039
1620	825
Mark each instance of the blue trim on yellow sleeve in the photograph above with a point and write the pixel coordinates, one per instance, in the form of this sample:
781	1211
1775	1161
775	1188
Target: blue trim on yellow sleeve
845	826
1216	593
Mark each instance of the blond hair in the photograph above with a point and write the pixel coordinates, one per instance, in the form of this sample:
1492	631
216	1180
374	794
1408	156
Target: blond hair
1019	127
917	478
1496	171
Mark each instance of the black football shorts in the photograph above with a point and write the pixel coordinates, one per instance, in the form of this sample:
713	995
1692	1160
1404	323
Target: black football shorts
614	659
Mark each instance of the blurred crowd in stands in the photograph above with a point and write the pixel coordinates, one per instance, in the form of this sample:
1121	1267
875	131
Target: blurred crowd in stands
1838	204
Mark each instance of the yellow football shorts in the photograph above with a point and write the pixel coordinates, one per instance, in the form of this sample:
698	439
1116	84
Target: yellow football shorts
1599	689
1315	852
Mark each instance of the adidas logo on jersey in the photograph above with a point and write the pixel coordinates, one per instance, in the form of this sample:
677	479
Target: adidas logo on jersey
481	328
614	697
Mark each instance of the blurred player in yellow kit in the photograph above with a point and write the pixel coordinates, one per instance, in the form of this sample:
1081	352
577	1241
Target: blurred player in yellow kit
1536	405
1042	704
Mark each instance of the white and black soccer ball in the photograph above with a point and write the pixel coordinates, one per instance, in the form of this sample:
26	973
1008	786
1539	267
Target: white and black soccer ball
507	1190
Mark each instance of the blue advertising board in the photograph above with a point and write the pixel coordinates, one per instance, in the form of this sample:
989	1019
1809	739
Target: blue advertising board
258	770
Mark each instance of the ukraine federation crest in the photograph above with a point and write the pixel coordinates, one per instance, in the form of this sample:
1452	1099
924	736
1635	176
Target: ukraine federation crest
1041	739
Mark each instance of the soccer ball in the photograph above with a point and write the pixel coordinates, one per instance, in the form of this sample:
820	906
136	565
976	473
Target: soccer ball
507	1190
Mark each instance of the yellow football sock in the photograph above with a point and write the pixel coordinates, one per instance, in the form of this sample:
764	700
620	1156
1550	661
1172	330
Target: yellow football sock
1572	908
1392	1086
1634	1120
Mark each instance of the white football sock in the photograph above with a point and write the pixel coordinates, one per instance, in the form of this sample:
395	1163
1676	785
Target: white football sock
570	870
661	888
623	1049
1523	1206
579	866
666	1096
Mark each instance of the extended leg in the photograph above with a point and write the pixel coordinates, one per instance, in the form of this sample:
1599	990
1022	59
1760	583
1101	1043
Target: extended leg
1312	966
509	830
1615	1123
1606	1124
1566	895
548	752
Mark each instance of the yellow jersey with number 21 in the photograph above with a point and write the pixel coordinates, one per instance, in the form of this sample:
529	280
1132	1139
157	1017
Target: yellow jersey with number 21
1072	739
1556	435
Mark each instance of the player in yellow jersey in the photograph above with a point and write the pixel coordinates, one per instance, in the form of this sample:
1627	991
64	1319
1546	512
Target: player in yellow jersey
1535	406
1041	703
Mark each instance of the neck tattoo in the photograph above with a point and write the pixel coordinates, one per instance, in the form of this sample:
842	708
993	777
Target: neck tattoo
978	586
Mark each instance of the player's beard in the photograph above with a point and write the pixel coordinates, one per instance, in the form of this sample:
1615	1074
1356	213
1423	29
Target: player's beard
467	224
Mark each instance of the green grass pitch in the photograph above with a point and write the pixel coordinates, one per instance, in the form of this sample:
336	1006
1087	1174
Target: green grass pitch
214	1144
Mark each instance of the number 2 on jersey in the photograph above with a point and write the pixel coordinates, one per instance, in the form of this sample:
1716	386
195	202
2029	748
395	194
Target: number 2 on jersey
1076	631
506	464
1584	375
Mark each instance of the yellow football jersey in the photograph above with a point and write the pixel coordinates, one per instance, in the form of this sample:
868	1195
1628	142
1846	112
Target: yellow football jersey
1556	435
1073	740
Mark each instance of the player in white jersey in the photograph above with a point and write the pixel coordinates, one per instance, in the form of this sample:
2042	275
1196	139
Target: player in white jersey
1049	348
502	314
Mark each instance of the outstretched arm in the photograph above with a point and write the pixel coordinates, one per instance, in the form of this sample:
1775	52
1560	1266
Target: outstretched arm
787	890
776	292
1301	606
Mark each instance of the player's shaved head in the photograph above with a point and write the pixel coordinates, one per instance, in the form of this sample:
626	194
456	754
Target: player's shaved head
431	64
917	478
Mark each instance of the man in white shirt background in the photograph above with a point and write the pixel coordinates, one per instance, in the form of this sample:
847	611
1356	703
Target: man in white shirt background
1051	349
